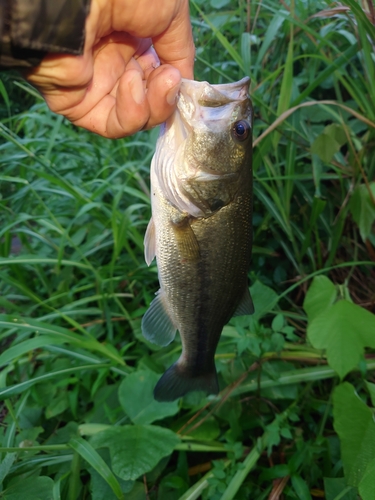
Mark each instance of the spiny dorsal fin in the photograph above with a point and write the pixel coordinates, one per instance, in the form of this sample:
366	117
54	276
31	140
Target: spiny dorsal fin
246	305
150	242
157	326
187	242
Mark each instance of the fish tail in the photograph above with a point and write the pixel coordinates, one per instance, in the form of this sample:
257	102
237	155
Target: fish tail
177	381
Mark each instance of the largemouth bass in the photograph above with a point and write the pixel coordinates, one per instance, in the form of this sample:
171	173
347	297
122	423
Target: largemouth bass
200	230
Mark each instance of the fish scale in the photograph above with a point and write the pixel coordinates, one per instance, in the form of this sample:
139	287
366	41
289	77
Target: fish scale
200	230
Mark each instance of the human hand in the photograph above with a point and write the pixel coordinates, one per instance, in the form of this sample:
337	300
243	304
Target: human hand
118	86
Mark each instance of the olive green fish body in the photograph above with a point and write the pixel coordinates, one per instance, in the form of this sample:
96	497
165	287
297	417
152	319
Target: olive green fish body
202	244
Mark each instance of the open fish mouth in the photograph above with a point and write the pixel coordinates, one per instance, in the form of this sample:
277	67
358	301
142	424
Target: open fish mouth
201	102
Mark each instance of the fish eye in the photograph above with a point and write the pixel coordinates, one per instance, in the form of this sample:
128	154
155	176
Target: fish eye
241	130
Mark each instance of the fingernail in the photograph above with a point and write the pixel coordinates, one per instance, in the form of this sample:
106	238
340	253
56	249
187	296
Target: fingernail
136	89
172	94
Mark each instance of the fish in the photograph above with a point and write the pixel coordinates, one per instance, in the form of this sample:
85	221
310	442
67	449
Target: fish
201	229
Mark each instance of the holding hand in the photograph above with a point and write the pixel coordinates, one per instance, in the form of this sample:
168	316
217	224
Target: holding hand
118	86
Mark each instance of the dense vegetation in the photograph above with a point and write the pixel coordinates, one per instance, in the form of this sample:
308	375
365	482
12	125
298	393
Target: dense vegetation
294	419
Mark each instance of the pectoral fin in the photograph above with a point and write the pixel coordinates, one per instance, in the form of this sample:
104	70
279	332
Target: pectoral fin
246	305
157	326
150	242
186	240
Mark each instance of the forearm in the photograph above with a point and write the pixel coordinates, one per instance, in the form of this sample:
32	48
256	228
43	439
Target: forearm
29	29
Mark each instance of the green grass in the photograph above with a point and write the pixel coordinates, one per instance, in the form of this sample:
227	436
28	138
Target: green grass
77	414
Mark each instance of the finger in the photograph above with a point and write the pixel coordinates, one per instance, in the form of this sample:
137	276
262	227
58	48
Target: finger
133	64
119	116
133	109
111	58
175	45
148	61
162	89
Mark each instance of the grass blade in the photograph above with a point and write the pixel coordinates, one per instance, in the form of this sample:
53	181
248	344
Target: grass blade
62	334
91	456
23	386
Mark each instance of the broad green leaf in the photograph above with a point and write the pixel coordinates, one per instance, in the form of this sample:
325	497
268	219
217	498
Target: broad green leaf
137	399
58	405
99	487
31	488
344	330
278	323
206	431
363	209
367	484
325	147
335	486
137	492
321	295
354	423
300	487
91	456
264	299
337	133
135	449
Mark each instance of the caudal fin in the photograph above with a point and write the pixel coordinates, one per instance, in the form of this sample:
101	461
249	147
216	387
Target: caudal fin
176	382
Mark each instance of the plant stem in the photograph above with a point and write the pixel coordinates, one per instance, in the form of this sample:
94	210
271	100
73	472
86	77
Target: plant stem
295	377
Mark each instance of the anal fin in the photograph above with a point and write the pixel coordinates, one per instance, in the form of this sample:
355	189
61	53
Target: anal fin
157	326
246	306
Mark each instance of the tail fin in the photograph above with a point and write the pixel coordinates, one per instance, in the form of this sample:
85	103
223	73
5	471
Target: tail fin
176	382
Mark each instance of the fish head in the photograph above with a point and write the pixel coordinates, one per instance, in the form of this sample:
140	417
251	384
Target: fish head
218	119
205	148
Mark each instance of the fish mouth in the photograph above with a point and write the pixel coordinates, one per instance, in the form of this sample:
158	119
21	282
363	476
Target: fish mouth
201	105
213	96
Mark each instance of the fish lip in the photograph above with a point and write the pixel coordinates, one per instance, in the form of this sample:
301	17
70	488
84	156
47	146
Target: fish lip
218	94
